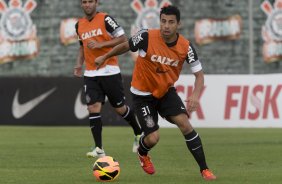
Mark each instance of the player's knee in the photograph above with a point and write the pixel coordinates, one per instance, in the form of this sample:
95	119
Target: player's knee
94	108
183	123
121	110
153	138
185	127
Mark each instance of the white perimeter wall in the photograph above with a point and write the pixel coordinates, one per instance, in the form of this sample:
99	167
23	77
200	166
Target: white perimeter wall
235	101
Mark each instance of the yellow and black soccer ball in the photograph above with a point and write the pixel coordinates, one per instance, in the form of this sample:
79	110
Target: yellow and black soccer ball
106	169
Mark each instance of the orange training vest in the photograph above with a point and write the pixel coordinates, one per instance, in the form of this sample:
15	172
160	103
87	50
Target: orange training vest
94	30
161	66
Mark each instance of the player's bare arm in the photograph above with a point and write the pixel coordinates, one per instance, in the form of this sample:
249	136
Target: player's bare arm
193	100
117	50
79	62
111	43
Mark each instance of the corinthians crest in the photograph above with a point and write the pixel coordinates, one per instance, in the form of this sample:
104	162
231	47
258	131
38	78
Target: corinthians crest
148	16
272	31
17	32
149	122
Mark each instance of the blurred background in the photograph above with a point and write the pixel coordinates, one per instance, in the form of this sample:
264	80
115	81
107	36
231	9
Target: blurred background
44	130
38	49
219	57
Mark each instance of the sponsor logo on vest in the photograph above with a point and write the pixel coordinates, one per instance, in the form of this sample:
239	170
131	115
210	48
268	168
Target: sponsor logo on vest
90	34
209	30
147	16
164	60
18	38
111	23
136	39
272	31
191	55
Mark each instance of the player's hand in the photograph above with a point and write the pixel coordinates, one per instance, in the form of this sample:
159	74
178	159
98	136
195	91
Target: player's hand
193	104
77	71
99	61
94	44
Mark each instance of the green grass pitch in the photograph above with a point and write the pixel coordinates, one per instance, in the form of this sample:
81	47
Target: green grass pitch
56	155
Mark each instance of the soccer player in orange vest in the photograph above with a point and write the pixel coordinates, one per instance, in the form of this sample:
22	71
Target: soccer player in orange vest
162	52
98	33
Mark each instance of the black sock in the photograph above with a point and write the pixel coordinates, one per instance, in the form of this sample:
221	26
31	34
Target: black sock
194	144
130	118
96	128
143	149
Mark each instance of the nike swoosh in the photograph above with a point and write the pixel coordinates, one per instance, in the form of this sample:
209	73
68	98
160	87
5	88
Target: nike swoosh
20	110
119	103
80	109
196	148
158	70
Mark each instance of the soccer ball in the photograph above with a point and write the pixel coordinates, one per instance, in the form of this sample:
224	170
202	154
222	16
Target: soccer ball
106	169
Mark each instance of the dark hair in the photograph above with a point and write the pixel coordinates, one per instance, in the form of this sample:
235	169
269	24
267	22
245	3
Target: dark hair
171	10
95	1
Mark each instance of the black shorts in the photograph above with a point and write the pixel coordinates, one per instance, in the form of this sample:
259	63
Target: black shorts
97	88
148	107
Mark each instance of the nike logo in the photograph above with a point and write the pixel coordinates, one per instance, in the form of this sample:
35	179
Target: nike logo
20	110
119	103
158	70
99	153
80	109
183	108
196	148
